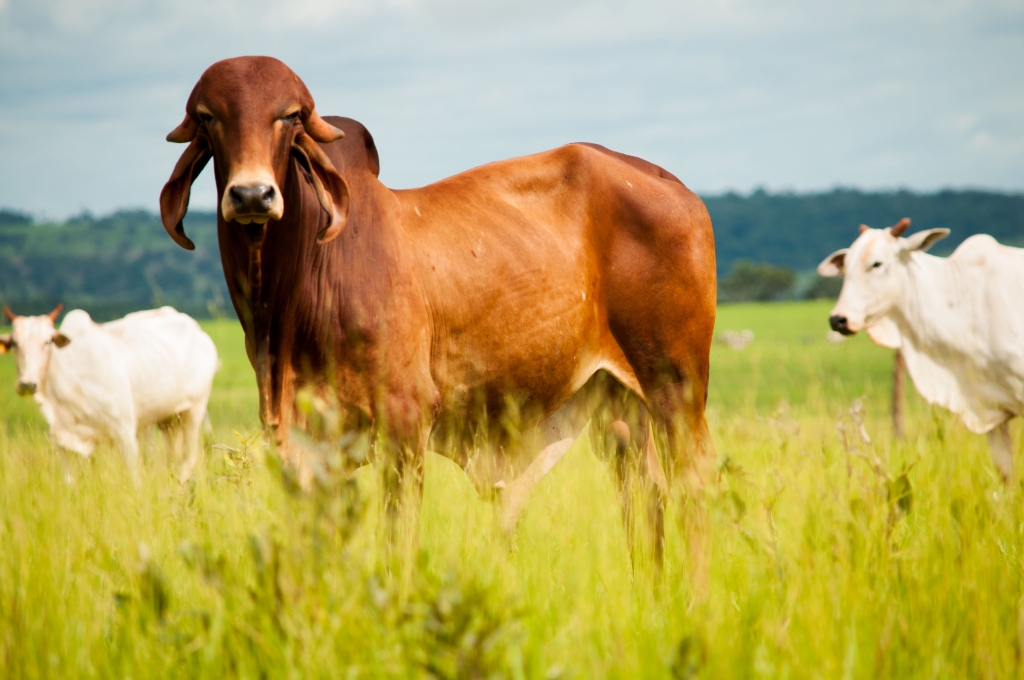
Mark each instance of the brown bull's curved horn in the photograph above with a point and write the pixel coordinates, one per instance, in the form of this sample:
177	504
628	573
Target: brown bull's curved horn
11	316
900	227
185	132
56	312
319	129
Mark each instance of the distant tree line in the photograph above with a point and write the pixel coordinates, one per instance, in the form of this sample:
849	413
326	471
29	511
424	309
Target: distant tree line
788	234
768	245
110	266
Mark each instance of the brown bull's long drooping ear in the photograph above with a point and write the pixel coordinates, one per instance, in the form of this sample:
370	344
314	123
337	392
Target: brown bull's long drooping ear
331	189
174	196
56	312
319	129
900	227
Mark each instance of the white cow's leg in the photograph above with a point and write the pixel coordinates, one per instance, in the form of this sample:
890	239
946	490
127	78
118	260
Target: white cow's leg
191	430
177	440
73	441
1001	448
517	492
129	445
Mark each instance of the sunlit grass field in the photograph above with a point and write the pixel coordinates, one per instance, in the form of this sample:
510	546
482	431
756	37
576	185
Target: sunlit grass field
836	551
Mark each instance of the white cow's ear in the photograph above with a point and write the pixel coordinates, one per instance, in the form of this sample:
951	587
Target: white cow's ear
885	333
61	340
923	240
833	264
5	343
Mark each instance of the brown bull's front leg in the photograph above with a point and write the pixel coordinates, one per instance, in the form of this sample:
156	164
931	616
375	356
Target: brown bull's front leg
276	382
404	424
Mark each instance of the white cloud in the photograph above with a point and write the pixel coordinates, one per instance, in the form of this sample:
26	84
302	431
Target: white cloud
725	93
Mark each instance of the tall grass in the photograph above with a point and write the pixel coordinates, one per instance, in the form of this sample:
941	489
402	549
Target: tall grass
836	551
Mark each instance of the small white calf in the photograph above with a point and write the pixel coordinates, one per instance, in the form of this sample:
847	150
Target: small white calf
958	321
109	380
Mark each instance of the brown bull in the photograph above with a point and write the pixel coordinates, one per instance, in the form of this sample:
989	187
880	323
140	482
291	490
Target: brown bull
517	281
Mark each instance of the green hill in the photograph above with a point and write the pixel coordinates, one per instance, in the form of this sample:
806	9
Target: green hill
110	266
799	230
124	261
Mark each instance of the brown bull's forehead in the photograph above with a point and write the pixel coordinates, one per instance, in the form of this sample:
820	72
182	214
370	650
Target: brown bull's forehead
258	85
227	109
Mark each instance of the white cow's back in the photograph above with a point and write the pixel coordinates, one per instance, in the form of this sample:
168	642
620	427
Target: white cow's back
87	393
964	332
994	274
169	361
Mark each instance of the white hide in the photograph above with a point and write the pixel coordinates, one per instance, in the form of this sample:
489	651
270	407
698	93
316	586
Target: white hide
959	321
112	379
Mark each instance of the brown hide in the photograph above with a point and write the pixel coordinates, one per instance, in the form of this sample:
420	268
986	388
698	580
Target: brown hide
522	277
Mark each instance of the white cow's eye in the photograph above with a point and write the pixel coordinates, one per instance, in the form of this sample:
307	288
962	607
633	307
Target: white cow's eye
876	265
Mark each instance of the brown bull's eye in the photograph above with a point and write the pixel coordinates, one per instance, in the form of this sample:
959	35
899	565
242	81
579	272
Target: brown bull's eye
207	119
290	118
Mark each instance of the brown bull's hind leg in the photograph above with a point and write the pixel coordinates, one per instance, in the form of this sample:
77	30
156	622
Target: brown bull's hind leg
678	411
620	429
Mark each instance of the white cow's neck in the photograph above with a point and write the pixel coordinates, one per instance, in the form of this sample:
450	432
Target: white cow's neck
931	311
42	395
940	319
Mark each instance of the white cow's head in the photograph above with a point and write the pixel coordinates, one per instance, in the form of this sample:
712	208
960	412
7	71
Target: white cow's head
32	338
873	269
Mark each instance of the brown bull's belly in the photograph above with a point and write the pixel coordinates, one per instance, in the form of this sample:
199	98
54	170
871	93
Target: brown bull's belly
528	380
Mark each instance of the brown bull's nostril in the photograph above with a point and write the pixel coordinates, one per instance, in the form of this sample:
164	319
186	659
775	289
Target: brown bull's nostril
840	324
252	200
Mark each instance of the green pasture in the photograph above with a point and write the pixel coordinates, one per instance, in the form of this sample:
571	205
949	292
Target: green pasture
836	551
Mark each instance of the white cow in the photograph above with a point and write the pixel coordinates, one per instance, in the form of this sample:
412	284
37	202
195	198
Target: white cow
959	321
108	380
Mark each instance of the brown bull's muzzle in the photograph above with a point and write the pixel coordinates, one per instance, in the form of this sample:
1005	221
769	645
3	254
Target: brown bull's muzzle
248	200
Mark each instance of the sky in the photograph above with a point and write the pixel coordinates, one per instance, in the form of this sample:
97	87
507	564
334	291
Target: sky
785	95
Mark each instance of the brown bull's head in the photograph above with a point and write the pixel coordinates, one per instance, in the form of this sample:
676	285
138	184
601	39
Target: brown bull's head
252	115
